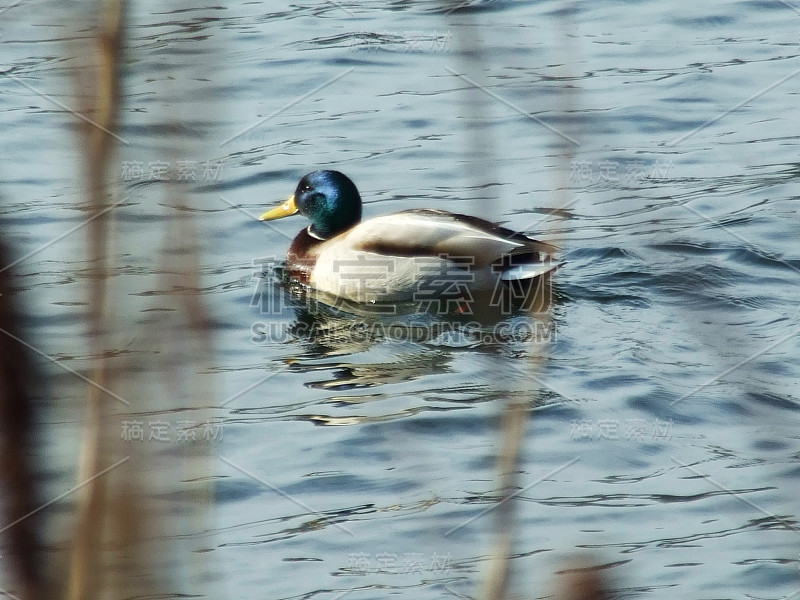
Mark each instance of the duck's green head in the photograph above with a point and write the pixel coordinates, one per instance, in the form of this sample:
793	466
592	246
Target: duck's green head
327	198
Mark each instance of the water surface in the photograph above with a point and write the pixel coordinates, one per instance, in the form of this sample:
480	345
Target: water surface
656	143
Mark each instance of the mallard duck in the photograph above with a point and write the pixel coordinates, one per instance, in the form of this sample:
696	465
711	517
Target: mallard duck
413	255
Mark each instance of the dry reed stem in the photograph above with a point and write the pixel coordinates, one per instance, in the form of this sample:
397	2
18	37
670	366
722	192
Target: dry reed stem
514	413
84	579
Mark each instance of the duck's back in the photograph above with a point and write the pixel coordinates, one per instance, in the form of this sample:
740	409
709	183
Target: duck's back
393	257
425	232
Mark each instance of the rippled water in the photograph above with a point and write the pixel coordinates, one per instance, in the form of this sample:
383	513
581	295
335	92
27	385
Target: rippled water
656	143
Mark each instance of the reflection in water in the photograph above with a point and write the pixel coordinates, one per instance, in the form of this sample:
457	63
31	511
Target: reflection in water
388	346
327	325
408	366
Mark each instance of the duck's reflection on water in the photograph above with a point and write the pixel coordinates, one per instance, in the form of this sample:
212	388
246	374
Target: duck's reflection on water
395	343
326	325
377	363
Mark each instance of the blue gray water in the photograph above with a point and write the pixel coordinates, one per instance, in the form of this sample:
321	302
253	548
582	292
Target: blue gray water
656	143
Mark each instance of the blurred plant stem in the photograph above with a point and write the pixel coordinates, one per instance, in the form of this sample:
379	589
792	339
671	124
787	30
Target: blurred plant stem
482	153
483	160
17	431
147	355
84	580
512	435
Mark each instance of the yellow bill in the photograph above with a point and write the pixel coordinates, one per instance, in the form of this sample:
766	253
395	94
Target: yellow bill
286	209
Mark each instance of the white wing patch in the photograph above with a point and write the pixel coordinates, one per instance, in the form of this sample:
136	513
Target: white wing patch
528	271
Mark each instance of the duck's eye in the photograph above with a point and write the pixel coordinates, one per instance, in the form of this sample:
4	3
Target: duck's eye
306	188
